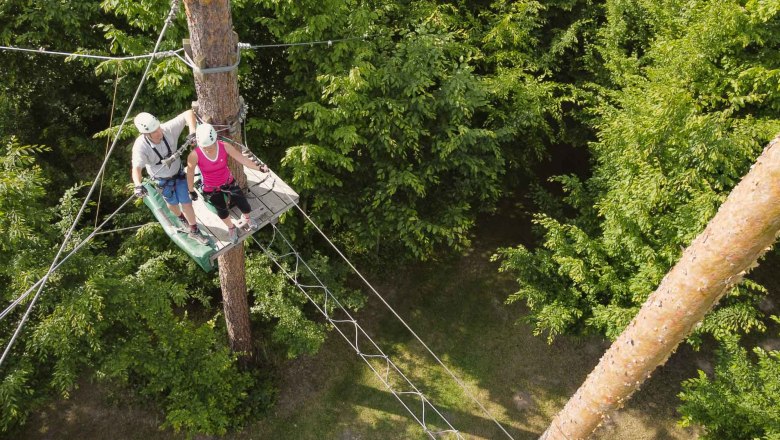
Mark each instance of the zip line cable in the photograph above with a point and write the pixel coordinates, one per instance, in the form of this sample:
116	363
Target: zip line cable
454	377
165	54
168	20
303	43
378	355
173	53
78	247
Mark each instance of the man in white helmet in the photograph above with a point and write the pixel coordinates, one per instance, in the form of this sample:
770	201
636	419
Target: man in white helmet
156	143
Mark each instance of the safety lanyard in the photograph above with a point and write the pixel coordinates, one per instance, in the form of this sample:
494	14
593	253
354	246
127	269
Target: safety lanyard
157	152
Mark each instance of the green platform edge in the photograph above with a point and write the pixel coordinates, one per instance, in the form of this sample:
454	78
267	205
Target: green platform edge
197	251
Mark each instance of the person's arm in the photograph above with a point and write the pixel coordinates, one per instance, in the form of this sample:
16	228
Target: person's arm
189	116
192	161
243	160
136	173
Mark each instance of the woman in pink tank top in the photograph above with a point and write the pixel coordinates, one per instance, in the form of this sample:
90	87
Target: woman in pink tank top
211	156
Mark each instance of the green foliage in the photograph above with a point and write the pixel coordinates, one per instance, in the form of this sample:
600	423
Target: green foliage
741	400
183	365
118	319
386	130
672	142
295	325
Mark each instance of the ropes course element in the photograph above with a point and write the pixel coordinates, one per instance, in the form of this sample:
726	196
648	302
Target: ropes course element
382	366
365	281
168	21
155	54
78	247
176	53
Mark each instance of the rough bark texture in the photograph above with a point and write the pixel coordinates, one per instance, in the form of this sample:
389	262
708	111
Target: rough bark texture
745	226
214	44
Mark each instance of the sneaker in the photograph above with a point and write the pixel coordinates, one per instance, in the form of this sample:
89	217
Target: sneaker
251	223
198	236
233	235
183	220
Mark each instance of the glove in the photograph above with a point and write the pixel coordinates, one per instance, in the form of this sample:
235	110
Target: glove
194	195
140	191
190	139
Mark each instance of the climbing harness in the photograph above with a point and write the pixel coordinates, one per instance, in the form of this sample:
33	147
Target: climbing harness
160	156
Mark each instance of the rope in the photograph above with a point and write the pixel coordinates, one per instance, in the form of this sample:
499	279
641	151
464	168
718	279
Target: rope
110	122
168	20
75	249
378	355
155	54
454	377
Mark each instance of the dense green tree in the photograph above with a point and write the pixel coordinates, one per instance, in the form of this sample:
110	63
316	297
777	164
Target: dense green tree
741	400
385	130
686	124
118	318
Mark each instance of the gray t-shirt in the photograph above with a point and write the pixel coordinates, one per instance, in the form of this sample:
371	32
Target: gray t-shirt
143	155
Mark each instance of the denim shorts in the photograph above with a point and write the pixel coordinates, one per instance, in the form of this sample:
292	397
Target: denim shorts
174	190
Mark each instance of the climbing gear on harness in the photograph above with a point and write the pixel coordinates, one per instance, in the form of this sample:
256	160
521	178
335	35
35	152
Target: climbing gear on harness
146	123
140	191
206	135
163	160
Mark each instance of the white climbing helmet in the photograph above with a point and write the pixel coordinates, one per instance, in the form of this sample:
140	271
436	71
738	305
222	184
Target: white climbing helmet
146	123
205	135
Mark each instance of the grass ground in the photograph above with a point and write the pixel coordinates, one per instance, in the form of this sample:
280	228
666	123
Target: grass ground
457	307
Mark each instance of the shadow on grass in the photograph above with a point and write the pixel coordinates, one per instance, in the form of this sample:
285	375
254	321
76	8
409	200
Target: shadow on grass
465	422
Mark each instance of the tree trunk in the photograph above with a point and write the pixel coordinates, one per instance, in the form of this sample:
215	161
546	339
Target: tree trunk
745	227
214	44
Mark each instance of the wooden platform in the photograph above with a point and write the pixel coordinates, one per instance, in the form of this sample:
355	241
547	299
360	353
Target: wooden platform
269	197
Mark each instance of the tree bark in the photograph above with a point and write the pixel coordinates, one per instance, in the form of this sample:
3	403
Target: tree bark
744	228
214	44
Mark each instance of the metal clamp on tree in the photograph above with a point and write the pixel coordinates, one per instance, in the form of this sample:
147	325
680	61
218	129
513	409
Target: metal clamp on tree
198	63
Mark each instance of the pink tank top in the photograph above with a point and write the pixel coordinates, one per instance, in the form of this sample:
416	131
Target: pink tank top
215	172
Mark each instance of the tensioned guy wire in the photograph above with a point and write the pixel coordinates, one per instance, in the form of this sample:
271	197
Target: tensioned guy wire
165	54
172	53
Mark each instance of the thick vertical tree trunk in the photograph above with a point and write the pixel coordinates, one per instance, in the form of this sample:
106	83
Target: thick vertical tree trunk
214	44
745	226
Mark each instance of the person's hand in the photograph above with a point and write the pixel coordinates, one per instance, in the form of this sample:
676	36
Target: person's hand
263	168
140	191
194	195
